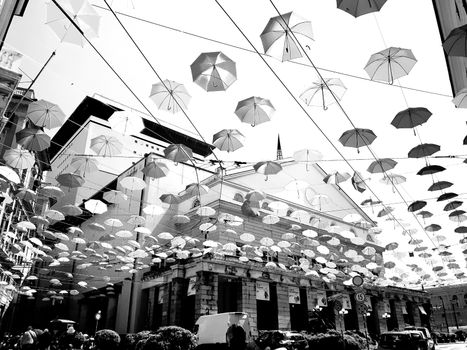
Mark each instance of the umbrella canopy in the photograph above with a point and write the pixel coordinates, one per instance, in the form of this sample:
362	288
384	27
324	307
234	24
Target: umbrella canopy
70	180
126	123
71	210
440	185
381	165
114	196
308	156
390	64
214	71
33	139
430	169
460	101
425	214
446	196
170	96
267	168
106	146
390	179
385	211
228	140
324	93
455	43
411	118
84	165
424	150
95	206
132	183
178	153
9	174
278	37
155	170
417	205
83	14
357	138
19	159
433	228
336	178
452	205
358	182
254	110
359	8
44	114
26	195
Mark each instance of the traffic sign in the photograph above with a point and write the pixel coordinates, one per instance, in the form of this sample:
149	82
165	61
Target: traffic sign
360	297
357	281
362	308
337	305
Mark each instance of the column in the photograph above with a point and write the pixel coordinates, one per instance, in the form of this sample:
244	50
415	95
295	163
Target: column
416	315
123	308
179	289
111	312
283	307
206	295
399	314
340	324
166	303
249	302
383	326
152	300
361	321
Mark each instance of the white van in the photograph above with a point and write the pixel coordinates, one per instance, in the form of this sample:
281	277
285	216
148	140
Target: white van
212	329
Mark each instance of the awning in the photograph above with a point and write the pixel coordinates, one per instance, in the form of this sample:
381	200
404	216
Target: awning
404	310
422	310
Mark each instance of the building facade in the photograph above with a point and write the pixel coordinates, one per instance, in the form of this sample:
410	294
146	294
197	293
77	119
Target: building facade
449	305
9	9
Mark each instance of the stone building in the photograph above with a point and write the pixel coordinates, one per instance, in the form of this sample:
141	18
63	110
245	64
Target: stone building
449	307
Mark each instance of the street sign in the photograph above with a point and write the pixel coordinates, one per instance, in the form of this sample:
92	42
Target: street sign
357	281
360	297
362	308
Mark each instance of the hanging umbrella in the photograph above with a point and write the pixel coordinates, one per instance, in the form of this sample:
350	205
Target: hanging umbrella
440	185
461	230
255	196
411	118
70	180
359	8
26	195
44	114
106	146
309	156
82	13
71	210
95	206
457	216
84	165
170	199
196	189
385	211
19	159
33	139
460	101
51	192
132	183
390	179
9	174
446	196
452	205
390	64
324	93
178	153
126	123
267	168
432	228
114	196
278	37
455	43
425	214
254	110
336	178
357	138
170	96
416	206
381	165
430	169
228	140
213	71
424	150
156	170
358	182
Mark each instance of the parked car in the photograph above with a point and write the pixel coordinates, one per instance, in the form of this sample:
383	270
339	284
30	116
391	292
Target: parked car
461	335
281	339
430	343
405	340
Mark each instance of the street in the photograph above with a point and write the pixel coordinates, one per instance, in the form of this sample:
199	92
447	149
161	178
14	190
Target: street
452	346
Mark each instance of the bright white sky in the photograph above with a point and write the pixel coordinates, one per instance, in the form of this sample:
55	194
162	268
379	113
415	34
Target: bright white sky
342	43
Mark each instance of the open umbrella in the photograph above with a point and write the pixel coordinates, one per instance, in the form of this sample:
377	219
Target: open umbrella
381	165
95	206
455	43
324	93
385	211
196	189
452	205
169	95
433	228
390	64
126	123
71	210
357	138
447	196
440	185
84	165
9	174
358	182
267	168
336	178
170	199
214	71
155	170
424	150
19	159
114	196
33	139
82	13
254	110
430	169
132	183
228	140
411	118
70	180
178	153
278	37
460	101
106	146
308	156
416	206
425	214
360	7
44	114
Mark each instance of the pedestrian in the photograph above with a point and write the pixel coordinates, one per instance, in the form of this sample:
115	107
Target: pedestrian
236	337
44	340
28	340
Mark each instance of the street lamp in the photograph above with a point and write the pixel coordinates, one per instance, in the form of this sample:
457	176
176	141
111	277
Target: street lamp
97	317
386	315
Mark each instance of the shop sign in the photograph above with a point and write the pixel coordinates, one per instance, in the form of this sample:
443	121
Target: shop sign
367	302
160	297
294	295
322	299
262	291
191	286
346	303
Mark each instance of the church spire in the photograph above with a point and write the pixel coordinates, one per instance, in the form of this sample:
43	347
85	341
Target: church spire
279	148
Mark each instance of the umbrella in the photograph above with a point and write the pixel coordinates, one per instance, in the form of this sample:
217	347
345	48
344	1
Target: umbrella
33	139
455	43
170	199
411	117
132	183
324	93
19	159
461	229
106	146
70	180
390	64
460	101
440	185
308	156
196	189
430	169
267	168
51	191
359	8
155	170
358	182
452	205
423	150
457	216
357	138
114	196
254	110
170	96
82	13
425	214
390	179
26	195
84	165
9	174
71	210
95	206
255	196
417	205
44	114
126	123
178	153
381	165
228	140
280	33
432	228
213	71
336	178
385	211
446	196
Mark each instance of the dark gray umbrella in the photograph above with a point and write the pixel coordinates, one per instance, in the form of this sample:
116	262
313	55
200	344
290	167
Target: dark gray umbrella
456	42
411	117
446	196
440	185
360	7
424	150
452	205
357	138
430	169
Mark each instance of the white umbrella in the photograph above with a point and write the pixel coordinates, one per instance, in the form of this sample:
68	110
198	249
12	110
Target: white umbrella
106	146
324	93
126	123
132	183
254	110
19	159
44	114
95	206
114	196
9	174
170	96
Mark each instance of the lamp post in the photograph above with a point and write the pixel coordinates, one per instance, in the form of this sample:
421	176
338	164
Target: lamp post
97	317
342	312
445	314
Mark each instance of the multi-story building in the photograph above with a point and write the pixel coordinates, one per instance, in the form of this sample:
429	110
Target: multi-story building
449	305
9	9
